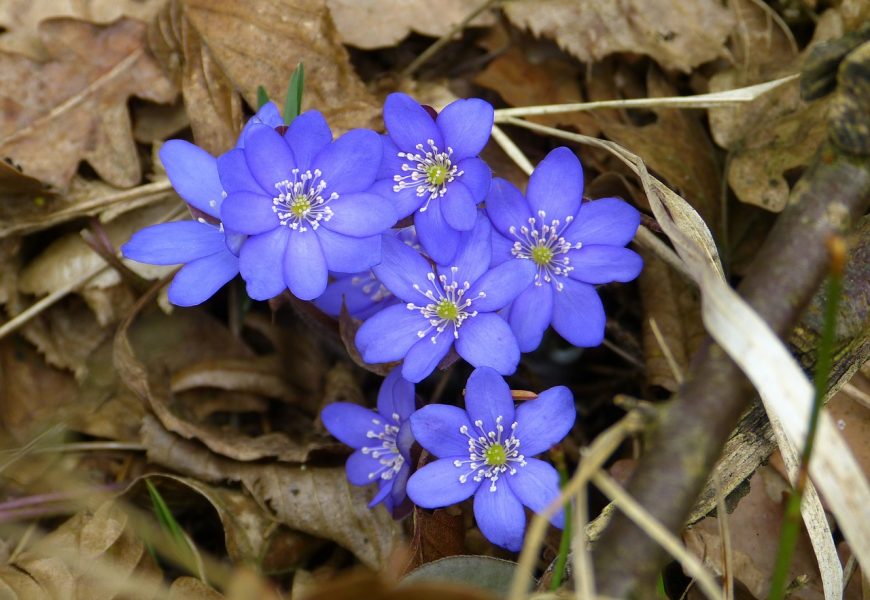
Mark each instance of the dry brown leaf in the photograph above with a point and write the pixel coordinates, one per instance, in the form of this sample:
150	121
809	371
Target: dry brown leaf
436	535
754	528
21	18
190	588
213	48
682	35
776	135
318	501
676	146
74	107
370	24
674	305
535	75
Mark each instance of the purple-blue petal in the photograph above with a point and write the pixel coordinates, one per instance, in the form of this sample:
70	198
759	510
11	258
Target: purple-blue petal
360	466
236	176
487	340
408	123
396	396
473	254
198	281
389	334
506	207
502	249
391	163
398	493
458	207
437	484
360	214
351	423
305	271
603	264
268	115
556	186
424	356
268	157
404	440
477	177
536	485
488	399
545	421
401	268
307	135
404	202
385	487
351	291
174	243
249	213
502	284
578	315
350	163
439	240
531	314
346	254
261	263
194	175
499	515
609	221
466	125
436	427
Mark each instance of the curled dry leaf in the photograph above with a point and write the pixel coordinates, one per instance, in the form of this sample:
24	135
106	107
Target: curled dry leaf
372	24
684	34
74	107
214	48
314	500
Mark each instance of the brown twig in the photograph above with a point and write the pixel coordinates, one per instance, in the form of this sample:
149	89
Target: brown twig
689	438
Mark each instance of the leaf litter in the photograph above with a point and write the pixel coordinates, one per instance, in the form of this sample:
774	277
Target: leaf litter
217	405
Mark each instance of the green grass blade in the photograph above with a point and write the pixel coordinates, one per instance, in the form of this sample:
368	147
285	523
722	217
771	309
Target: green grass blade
262	97
293	102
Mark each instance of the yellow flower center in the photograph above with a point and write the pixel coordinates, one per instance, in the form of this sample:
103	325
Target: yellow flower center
495	455
436	174
447	310
542	255
300	207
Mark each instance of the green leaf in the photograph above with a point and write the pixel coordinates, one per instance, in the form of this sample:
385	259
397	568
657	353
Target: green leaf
293	103
164	515
262	97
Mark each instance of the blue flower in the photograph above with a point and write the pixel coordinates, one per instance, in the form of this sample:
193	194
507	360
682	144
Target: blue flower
363	294
443	305
303	199
486	451
382	441
572	245
432	165
208	251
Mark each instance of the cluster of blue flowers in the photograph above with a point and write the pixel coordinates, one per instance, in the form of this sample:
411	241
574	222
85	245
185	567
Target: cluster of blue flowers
410	232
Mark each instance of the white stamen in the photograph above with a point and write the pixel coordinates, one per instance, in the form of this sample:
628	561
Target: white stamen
429	171
300	202
387	454
476	465
446	306
545	238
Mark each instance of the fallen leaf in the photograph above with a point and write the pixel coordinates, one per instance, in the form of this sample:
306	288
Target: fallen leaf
191	588
74	107
383	23
318	501
683	36
674	305
20	19
213	48
754	530
436	535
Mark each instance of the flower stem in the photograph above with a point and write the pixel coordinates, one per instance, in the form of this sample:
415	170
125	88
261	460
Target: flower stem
558	457
791	517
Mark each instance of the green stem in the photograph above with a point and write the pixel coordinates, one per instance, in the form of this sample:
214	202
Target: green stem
565	543
792	516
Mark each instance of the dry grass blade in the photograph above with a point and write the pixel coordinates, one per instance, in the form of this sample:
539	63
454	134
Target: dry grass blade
655	530
725	534
584	576
711	100
600	450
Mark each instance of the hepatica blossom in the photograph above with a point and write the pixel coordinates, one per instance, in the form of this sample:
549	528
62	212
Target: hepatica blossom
486	451
208	251
431	166
445	306
573	246
303	199
382	441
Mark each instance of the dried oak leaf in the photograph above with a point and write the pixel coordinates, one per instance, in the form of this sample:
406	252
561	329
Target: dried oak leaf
682	35
216	49
21	18
370	24
74	107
